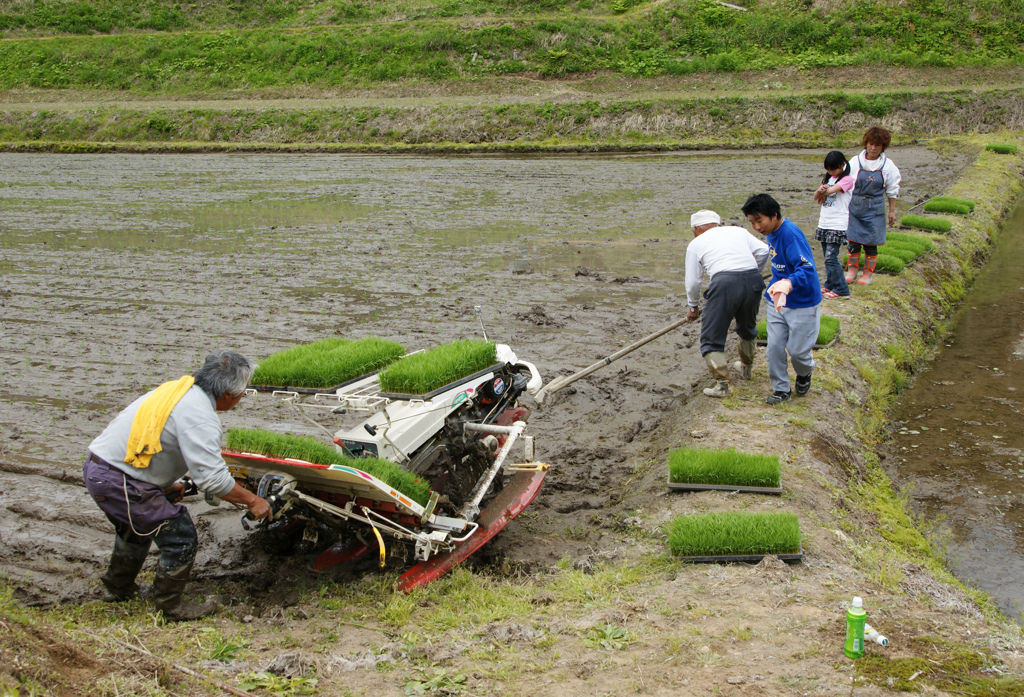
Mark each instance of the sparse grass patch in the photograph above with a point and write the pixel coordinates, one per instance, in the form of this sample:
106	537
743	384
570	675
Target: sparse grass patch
702	466
422	372
920	221
326	363
827	329
309	449
739	532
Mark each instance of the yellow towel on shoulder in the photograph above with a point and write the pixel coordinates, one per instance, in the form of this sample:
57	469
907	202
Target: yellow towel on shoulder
150	419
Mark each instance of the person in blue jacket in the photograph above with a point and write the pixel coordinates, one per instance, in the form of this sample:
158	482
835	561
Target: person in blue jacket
794	297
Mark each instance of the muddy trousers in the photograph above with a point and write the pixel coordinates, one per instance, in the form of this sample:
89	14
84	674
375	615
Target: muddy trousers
793	331
731	295
141	515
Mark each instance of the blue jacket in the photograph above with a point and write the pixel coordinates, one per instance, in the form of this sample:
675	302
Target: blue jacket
790	256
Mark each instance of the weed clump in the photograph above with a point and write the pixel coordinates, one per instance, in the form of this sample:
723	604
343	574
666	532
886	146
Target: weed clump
1002	148
327	362
702	466
420	373
827	330
738	532
920	221
309	449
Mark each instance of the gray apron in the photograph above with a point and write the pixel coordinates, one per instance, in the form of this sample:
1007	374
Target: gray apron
867	207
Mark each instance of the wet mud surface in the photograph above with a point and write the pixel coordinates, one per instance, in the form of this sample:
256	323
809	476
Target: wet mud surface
120	272
960	437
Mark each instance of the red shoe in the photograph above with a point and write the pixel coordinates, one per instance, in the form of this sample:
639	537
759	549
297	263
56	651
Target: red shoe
829	295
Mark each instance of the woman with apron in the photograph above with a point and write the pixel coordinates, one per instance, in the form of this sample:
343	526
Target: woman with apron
875	178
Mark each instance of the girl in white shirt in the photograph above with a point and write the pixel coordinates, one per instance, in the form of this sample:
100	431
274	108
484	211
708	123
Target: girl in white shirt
834	196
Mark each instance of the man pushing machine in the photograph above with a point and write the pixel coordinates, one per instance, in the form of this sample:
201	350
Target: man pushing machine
733	260
133	472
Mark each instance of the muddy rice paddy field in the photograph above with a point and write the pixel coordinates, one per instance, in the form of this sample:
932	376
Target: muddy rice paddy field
120	272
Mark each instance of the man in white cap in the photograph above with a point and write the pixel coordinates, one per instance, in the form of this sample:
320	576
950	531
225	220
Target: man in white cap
733	260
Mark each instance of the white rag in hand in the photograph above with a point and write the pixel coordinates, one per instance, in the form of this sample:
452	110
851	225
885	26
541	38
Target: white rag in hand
778	292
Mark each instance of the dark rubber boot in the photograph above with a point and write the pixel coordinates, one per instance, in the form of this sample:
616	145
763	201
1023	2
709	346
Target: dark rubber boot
177	540
125	563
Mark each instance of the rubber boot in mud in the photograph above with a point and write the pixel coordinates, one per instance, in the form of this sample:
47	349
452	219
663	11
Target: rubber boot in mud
869	270
851	267
719	367
177	540
746	362
125	563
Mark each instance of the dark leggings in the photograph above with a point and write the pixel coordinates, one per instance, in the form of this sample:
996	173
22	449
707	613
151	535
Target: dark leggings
870	250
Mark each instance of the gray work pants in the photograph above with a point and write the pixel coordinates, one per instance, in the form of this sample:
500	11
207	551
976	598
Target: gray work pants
731	295
794	330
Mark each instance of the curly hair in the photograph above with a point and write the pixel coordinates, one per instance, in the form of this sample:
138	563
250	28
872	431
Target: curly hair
876	135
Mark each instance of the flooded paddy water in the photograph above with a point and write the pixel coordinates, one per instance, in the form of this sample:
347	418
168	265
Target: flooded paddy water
122	271
960	438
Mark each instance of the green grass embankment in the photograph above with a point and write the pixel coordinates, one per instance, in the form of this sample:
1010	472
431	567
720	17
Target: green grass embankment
814	120
162	48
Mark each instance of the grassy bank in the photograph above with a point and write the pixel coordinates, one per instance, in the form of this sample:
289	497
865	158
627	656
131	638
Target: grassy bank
158	48
813	120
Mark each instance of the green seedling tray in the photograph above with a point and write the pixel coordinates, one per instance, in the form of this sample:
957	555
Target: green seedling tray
682	486
309	390
794	558
443	388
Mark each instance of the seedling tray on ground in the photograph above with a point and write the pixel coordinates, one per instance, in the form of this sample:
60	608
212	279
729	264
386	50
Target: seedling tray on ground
443	388
682	486
794	558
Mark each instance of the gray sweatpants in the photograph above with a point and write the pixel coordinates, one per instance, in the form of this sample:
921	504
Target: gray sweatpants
794	330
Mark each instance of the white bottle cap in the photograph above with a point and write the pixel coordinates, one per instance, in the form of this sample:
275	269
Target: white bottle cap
857	602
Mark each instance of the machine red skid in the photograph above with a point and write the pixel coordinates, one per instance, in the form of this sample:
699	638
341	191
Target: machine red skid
510	502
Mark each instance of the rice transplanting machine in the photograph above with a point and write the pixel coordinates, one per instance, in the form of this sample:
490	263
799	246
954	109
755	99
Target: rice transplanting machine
458	438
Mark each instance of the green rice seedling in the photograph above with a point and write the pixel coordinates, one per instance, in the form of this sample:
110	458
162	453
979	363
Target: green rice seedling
827	329
961	201
309	449
940	206
1002	148
905	240
739	532
702	466
887	262
422	372
327	362
904	255
919	221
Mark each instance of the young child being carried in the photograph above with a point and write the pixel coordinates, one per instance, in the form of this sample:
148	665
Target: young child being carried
834	195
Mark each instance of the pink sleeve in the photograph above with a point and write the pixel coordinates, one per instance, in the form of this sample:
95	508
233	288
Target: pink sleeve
846	183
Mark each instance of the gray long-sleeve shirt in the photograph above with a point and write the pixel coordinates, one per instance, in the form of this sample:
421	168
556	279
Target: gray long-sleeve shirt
190	442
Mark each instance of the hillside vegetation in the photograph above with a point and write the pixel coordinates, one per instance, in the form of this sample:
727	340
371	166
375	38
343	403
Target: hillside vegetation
163	47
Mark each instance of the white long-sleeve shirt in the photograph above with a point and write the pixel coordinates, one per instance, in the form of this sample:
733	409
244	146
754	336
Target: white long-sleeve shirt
190	442
722	248
890	173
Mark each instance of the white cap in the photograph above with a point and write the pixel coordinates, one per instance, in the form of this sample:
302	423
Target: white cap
857	602
705	217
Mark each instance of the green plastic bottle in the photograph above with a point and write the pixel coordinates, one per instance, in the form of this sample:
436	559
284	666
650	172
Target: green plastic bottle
856	618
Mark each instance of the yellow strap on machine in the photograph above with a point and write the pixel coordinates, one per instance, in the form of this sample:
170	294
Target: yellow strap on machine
380	540
150	419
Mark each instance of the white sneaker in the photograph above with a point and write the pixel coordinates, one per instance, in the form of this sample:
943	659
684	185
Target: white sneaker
747	371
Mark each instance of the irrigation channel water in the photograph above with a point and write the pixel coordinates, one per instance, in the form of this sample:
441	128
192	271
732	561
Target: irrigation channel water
960	438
